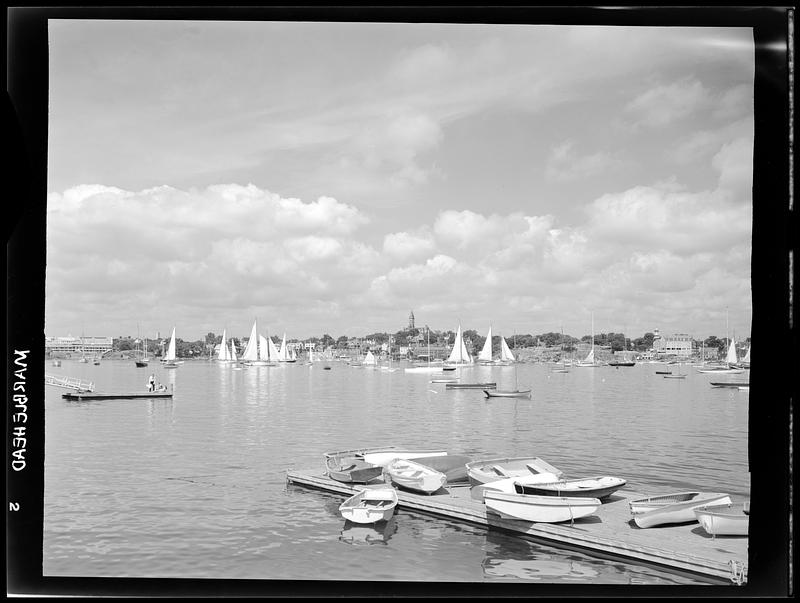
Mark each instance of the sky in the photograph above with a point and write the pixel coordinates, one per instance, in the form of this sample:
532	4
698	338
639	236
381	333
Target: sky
330	178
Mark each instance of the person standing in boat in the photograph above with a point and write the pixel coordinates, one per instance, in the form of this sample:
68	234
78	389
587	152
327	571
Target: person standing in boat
151	383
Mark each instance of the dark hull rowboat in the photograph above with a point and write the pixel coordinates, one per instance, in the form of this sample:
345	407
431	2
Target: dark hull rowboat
593	487
516	393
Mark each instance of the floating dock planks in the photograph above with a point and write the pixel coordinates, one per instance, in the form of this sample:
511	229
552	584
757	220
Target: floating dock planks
114	396
611	531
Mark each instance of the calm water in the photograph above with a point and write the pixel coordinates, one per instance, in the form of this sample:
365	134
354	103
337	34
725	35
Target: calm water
195	487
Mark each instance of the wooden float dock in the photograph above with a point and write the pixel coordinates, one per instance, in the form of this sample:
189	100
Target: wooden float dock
609	532
114	396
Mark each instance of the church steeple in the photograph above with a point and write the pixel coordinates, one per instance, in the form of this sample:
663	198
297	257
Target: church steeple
411	320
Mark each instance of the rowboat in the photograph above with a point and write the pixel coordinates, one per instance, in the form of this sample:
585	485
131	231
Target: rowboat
725	520
382	455
673	508
491	470
351	470
454	466
591	487
730	384
491	385
663	372
413	476
370	504
674	376
514	393
444	380
544	509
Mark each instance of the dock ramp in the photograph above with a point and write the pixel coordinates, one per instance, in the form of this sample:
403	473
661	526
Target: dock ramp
69	383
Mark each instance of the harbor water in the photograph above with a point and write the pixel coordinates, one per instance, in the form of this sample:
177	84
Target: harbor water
195	486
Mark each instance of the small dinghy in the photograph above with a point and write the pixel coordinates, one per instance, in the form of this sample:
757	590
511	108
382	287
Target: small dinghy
414	476
725	520
540	509
673	508
492	470
590	487
352	470
454	466
370	504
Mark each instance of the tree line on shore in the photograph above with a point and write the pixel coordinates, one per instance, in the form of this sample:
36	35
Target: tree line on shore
415	337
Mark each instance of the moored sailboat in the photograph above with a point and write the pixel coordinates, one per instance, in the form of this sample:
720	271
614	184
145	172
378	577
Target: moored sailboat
170	360
589	360
459	356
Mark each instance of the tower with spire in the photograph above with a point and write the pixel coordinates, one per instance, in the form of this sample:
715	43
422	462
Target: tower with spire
411	320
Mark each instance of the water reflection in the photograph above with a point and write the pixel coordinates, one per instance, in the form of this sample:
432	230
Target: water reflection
375	533
509	558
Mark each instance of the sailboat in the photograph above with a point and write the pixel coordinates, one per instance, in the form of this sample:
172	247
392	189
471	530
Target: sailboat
459	356
224	353
746	359
170	360
589	360
256	352
283	354
369	359
485	355
506	355
731	363
237	366
142	359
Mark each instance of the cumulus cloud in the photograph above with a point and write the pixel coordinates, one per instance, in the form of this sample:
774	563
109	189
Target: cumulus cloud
408	246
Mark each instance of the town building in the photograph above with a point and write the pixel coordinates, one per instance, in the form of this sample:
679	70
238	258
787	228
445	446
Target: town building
86	346
679	344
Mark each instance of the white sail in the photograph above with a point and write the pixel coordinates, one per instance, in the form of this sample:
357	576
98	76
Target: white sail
233	351
224	354
731	358
251	349
747	356
459	354
170	355
589	357
272	350
369	359
292	355
263	349
506	355
486	353
283	353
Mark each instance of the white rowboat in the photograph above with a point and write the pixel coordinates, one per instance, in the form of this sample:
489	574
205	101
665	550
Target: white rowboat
544	509
725	520
673	508
415	476
370	505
